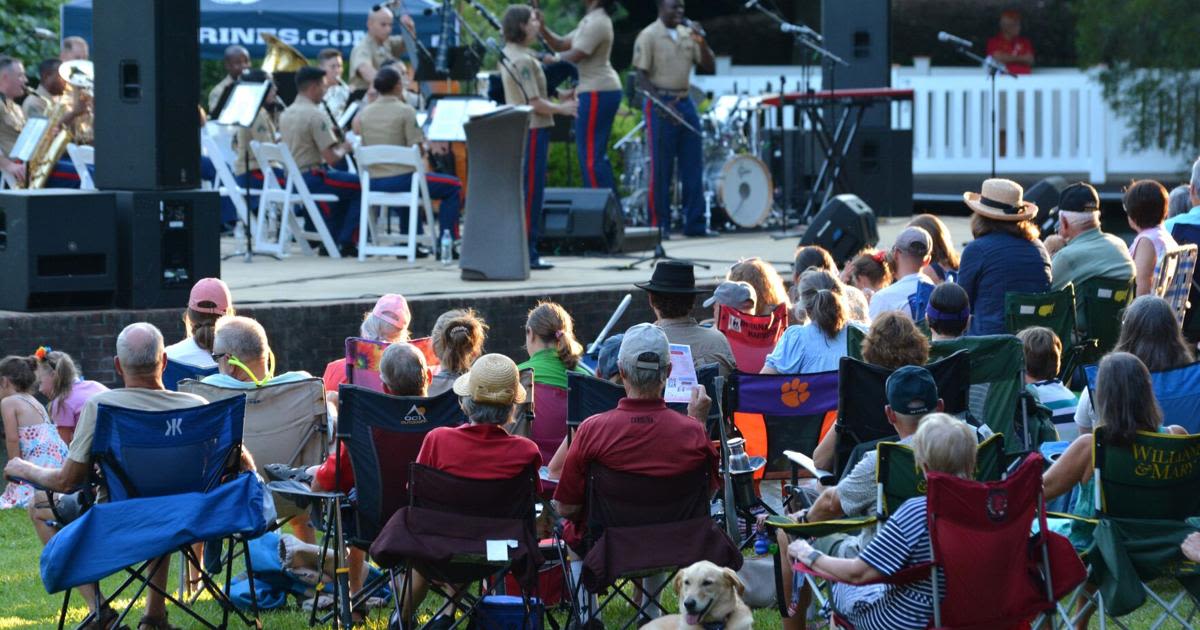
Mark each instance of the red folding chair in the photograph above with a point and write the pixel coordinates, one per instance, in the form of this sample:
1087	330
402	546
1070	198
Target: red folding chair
751	337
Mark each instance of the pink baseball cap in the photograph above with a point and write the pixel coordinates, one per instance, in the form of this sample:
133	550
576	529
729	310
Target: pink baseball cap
210	295
393	309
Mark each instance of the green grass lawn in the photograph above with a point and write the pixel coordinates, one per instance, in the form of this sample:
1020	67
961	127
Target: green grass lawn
25	604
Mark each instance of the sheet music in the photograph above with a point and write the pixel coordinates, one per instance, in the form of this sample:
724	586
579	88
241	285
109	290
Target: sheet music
450	114
31	135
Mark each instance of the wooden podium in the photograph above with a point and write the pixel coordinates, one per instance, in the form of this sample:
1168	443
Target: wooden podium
495	241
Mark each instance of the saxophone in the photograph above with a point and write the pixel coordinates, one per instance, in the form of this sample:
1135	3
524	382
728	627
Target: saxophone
50	147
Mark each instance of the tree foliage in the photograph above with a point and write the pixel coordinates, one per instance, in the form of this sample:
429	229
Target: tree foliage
1146	51
18	19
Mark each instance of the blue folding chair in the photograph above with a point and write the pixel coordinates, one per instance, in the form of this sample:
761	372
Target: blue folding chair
176	371
173	479
1177	392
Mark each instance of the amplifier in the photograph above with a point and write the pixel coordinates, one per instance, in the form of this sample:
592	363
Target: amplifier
167	241
581	220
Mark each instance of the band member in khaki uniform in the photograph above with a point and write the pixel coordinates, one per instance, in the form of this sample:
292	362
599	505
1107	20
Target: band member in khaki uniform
306	130
664	54
589	47
389	120
237	61
52	89
525	83
12	119
378	46
337	92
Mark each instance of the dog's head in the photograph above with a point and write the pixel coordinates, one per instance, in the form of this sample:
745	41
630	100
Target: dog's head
707	592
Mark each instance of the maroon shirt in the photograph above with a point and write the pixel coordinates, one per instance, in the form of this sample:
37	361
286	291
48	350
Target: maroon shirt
478	451
1018	45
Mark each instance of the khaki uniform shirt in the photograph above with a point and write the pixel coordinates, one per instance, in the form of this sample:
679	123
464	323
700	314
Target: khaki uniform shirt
594	36
529	76
12	121
708	344
367	50
215	94
305	128
390	121
263	130
37	103
666	58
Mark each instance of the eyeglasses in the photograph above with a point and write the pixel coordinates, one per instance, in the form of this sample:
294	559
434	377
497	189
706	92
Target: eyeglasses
217	357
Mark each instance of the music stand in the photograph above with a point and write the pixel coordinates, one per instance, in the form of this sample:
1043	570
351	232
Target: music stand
240	110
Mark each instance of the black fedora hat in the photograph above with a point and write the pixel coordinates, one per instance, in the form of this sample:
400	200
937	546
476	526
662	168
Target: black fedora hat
671	277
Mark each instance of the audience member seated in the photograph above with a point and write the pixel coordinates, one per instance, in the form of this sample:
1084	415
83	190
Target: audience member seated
1054	244
909	293
672	290
1192	216
457	337
244	357
480	449
1005	255
208	302
386	322
768	286
948	312
1178	203
553	351
140	361
28	432
943	258
1150	332
815	256
894	341
1043	356
818	345
1146	206
65	389
739	296
868	272
942	444
1088	253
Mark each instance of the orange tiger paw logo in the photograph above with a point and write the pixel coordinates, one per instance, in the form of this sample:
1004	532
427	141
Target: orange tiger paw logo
794	393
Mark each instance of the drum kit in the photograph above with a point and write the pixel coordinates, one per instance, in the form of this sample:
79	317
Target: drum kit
737	182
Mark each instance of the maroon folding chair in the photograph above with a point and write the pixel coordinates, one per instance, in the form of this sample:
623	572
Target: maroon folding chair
550	419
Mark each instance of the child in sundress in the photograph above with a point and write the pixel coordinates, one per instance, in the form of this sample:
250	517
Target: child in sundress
59	381
28	431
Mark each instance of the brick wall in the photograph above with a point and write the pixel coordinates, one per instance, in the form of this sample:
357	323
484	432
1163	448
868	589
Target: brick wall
307	336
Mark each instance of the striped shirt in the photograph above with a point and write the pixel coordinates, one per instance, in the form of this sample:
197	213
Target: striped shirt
1061	402
903	541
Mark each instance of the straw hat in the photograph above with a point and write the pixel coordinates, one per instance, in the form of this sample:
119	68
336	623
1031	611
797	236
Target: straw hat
1002	200
493	380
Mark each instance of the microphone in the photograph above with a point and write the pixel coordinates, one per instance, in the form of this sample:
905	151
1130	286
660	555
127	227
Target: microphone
750	4
943	36
696	28
44	33
442	63
802	30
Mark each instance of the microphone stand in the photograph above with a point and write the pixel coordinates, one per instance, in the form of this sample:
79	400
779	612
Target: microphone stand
993	68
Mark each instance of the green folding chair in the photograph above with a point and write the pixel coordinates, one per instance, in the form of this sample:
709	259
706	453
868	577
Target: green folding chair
1054	310
899	479
1099	306
997	378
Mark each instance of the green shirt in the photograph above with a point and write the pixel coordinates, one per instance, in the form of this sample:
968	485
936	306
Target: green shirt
1092	254
548	369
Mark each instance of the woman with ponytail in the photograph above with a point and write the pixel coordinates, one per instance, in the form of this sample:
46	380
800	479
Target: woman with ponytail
28	432
458	337
208	302
818	345
60	382
553	351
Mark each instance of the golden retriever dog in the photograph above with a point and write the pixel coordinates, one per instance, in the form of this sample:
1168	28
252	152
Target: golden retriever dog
708	595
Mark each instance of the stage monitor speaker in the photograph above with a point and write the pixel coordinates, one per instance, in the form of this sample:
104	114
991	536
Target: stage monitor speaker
860	32
576	220
147	86
58	250
1045	194
844	227
494	242
878	168
167	241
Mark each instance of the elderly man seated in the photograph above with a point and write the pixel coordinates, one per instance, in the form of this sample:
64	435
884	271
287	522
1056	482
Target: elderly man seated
140	361
243	356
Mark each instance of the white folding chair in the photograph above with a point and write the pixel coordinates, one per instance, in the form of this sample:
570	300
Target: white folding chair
274	198
82	156
227	184
376	204
223	136
6	182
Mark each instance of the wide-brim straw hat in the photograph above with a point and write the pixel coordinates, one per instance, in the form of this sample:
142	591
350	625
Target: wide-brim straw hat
493	380
1002	200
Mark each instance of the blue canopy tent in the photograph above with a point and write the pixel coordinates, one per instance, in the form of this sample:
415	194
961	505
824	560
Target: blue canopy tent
307	25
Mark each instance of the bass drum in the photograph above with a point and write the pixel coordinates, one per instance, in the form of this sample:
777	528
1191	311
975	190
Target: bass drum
744	190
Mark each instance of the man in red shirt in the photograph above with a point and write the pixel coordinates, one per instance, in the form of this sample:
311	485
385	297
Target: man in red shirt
1009	47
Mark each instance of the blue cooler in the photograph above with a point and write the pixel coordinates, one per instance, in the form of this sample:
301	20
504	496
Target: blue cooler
507	612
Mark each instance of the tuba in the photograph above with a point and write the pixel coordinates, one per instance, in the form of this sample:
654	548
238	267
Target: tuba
53	143
281	57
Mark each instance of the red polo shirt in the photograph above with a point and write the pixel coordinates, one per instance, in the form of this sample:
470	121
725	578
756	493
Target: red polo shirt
1018	45
640	436
478	451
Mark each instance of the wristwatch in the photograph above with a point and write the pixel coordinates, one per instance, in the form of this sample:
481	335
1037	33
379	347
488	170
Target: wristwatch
812	557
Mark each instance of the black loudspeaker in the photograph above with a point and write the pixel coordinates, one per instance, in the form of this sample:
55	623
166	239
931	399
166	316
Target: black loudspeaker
581	219
167	241
859	31
58	250
147	86
844	227
791	155
878	168
1045	194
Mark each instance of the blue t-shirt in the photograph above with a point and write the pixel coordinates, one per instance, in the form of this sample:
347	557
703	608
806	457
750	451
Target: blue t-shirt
805	349
995	264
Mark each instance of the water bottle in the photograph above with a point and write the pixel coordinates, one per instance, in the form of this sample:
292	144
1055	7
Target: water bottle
446	248
762	545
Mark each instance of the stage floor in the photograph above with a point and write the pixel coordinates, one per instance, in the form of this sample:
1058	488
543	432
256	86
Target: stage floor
301	278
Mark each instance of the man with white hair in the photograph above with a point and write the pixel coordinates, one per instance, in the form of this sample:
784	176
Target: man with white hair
140	360
1089	253
243	356
1191	217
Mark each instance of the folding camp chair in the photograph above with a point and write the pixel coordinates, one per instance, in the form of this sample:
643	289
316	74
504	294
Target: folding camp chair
1173	278
1186	234
638	526
172	479
997	376
363	356
448	533
382	435
1054	310
1177	392
977	532
862	397
588	396
177	371
1100	305
751	337
281	200
550	411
